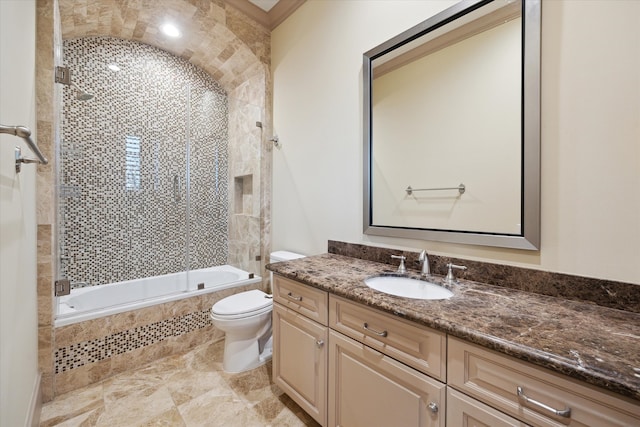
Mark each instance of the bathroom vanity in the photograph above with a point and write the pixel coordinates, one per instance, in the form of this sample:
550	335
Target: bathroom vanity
349	355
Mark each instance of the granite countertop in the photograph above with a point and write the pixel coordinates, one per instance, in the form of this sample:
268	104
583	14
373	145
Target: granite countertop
595	344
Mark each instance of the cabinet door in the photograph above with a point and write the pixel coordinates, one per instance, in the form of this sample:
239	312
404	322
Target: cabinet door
300	360
463	411
371	389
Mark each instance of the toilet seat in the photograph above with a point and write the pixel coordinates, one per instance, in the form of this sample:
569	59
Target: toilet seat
244	304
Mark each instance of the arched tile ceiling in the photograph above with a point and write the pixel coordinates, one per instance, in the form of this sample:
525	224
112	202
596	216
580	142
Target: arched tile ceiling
215	36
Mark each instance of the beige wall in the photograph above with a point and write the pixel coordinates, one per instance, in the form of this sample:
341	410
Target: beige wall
590	132
18	311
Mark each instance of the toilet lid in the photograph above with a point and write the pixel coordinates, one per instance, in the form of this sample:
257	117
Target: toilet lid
244	302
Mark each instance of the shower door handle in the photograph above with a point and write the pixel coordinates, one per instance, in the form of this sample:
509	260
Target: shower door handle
176	188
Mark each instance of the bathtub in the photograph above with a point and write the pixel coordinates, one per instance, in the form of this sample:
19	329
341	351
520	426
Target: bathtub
98	301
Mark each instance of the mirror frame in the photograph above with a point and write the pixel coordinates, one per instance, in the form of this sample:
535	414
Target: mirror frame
529	237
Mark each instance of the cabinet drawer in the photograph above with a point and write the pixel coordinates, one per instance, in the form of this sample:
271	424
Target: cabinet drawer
465	411
494	378
301	298
420	347
373	390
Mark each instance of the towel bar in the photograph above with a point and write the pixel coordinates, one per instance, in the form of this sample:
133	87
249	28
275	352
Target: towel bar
24	133
461	189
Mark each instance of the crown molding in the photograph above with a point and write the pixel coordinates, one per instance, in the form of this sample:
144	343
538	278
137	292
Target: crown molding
271	19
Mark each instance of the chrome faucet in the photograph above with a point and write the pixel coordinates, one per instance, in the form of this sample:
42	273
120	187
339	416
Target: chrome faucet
424	259
450	279
401	268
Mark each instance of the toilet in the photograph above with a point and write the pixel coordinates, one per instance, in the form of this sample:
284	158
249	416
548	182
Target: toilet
245	319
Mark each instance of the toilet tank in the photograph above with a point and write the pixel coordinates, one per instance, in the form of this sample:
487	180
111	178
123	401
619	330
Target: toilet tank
278	256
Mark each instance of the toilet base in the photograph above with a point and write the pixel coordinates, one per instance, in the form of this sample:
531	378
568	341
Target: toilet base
243	355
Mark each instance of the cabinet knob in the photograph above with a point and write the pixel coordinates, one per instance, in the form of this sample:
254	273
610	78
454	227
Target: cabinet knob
319	343
433	407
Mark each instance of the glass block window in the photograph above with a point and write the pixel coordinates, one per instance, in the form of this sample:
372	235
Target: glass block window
132	180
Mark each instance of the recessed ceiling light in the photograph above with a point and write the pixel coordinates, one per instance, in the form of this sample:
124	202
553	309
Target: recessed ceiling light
113	67
170	30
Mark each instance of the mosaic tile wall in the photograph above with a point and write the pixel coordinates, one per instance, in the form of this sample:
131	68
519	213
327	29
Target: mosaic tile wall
153	130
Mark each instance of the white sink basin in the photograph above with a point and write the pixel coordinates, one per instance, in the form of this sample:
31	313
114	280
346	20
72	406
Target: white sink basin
407	287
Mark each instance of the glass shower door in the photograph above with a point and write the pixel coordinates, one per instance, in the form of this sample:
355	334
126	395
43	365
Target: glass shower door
208	165
122	167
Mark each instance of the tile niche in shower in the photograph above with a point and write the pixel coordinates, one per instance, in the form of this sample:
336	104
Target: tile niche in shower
143	176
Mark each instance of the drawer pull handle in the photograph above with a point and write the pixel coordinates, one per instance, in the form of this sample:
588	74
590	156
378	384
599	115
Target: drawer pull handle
380	334
319	343
561	413
433	407
290	295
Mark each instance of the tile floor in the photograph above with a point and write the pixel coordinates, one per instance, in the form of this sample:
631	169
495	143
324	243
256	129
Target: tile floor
187	390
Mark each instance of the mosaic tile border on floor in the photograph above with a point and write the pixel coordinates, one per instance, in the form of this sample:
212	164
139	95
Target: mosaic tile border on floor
91	351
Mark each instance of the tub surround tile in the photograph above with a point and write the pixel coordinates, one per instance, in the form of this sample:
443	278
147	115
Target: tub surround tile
90	329
45	240
44	279
607	293
77	332
45	275
46	386
45	304
44	292
82	376
45	356
181	307
246	189
585	341
120	322
185	342
138	318
45	141
124	341
46	40
86	352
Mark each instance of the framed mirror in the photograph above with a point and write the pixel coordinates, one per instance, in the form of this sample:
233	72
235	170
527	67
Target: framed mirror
452	128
